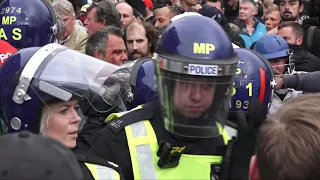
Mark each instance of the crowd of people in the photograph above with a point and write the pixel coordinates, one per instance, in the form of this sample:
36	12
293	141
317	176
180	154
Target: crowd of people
159	89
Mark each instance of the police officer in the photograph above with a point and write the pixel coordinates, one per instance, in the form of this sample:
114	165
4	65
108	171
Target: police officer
254	80
40	89
143	89
29	23
181	135
252	96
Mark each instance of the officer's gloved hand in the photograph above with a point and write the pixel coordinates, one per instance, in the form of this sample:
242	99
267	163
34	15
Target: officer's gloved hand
244	147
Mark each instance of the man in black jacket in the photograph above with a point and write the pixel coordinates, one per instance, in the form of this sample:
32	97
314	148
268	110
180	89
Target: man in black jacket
291	10
292	32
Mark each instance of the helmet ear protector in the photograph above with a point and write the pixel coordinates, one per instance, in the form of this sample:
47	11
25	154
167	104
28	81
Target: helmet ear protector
135	69
133	79
58	26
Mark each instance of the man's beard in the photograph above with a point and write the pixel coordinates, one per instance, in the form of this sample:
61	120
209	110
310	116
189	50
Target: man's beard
290	18
136	55
160	30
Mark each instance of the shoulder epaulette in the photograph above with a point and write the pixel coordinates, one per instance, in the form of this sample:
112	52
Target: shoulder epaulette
131	117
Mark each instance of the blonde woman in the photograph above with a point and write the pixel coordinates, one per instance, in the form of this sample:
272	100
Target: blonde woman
40	89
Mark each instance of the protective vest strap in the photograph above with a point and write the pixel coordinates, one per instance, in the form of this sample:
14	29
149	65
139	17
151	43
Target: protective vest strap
142	141
116	124
119	114
102	172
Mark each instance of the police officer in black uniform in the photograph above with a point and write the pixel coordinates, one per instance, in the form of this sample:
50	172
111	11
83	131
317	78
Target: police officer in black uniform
181	135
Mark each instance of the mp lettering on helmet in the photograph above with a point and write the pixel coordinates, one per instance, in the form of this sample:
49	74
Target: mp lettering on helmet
203	70
203	48
8	31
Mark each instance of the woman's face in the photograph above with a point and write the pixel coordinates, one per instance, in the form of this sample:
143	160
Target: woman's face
63	123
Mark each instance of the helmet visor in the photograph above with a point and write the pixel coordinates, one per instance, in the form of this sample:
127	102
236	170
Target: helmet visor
68	74
194	106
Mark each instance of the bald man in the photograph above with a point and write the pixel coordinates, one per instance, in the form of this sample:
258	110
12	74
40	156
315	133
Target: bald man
126	12
164	16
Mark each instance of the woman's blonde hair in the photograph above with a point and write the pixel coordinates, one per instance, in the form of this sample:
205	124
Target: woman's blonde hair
47	112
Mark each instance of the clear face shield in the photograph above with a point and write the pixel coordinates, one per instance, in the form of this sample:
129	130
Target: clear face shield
195	106
128	65
66	74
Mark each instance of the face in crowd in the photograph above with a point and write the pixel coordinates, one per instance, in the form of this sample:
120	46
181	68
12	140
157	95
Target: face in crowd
272	20
126	12
137	42
290	10
60	121
246	11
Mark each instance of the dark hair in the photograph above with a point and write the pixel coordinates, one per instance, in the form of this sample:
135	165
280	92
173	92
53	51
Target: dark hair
106	11
279	1
297	29
176	10
214	1
99	40
152	35
137	14
260	9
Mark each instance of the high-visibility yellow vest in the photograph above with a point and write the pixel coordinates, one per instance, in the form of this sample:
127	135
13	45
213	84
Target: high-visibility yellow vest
143	147
102	172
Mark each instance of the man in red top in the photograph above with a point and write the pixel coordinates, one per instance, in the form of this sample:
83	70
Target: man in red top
5	51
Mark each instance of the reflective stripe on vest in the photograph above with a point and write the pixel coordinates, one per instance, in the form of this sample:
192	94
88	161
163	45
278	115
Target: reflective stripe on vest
102	172
142	142
119	114
143	147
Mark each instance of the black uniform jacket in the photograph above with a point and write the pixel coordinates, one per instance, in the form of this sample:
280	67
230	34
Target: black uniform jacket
304	60
110	142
